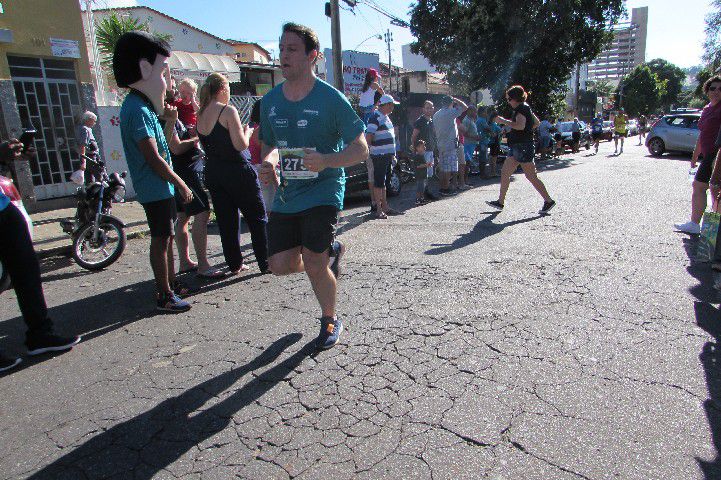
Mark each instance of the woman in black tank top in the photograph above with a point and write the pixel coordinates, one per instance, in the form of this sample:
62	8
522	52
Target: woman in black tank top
230	178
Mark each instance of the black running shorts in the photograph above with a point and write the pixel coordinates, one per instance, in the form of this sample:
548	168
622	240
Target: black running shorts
313	229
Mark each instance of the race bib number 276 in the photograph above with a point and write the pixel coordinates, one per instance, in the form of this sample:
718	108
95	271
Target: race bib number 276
291	164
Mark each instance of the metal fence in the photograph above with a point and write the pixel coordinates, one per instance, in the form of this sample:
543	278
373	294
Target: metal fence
244	104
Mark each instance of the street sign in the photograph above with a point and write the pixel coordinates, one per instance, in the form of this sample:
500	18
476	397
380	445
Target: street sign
355	67
64	48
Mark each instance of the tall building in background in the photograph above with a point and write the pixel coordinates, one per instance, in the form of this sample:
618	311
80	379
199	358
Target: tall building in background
626	51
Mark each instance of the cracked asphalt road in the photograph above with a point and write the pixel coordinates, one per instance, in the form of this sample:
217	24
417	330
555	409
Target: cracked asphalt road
478	345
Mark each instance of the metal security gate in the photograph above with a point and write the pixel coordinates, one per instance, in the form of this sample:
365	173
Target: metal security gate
48	99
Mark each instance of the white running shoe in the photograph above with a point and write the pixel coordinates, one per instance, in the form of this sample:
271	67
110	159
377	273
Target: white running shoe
688	227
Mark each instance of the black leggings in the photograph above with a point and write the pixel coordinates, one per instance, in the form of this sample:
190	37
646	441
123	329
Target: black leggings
234	187
21	263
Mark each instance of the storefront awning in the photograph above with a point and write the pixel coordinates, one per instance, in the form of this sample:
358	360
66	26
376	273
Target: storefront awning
199	65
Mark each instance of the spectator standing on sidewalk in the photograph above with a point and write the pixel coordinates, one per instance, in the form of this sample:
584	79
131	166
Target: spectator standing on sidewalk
20	262
88	147
483	128
544	136
706	148
371	92
420	163
423	130
301	229
494	144
140	62
575	135
471	138
184	152
231	179
444	124
380	137
520	141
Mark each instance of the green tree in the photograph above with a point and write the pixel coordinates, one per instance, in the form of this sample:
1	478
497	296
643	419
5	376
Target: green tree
109	29
640	92
603	88
674	76
493	43
712	43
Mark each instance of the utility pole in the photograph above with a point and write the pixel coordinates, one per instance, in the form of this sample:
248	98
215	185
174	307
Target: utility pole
335	42
578	89
389	38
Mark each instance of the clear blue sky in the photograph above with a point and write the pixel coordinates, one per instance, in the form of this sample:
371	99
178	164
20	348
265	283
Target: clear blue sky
675	26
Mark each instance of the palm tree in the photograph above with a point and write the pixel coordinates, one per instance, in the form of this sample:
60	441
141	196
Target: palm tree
111	28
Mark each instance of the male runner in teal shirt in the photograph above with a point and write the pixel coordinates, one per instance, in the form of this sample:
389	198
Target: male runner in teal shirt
308	114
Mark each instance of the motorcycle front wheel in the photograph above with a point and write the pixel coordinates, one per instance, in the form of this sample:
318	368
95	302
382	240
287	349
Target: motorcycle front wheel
92	254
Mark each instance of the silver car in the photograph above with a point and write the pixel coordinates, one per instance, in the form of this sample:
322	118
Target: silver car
673	133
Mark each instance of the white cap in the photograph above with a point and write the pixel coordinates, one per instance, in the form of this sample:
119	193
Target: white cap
387	99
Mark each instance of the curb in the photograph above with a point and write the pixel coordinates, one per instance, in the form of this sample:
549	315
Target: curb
65	250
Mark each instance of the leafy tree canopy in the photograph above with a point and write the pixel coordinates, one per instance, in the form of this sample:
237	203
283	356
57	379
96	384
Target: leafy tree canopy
496	43
641	91
712	43
674	77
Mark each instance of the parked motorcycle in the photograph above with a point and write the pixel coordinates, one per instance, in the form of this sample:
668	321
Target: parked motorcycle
8	188
98	237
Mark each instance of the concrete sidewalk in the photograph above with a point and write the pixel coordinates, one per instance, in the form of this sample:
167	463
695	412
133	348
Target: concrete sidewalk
49	238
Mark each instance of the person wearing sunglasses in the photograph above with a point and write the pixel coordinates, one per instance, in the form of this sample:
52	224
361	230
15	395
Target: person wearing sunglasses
706	148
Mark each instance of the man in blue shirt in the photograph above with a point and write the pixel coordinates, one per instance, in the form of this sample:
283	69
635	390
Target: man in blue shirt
316	121
140	62
18	259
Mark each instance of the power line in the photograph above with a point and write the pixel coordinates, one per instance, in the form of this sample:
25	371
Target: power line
395	20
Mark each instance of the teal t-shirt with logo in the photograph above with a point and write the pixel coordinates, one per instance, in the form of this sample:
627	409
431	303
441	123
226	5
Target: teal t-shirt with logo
323	120
138	121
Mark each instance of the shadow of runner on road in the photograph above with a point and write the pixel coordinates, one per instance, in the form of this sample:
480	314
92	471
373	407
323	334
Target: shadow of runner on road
144	445
708	318
483	229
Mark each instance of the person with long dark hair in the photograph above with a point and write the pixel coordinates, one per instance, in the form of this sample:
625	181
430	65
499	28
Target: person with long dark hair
371	92
231	179
520	140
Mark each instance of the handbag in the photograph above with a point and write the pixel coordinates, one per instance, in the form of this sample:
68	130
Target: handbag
709	233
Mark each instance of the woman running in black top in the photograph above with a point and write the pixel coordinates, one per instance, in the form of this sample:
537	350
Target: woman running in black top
230	178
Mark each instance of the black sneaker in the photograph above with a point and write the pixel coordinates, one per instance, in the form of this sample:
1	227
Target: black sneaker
330	331
48	342
445	192
495	204
547	206
171	302
430	196
7	363
373	209
336	252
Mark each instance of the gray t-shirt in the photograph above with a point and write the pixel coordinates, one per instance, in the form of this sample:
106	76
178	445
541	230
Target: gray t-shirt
444	123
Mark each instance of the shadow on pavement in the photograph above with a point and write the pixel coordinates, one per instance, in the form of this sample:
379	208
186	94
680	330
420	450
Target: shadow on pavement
144	445
483	229
102	313
708	317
